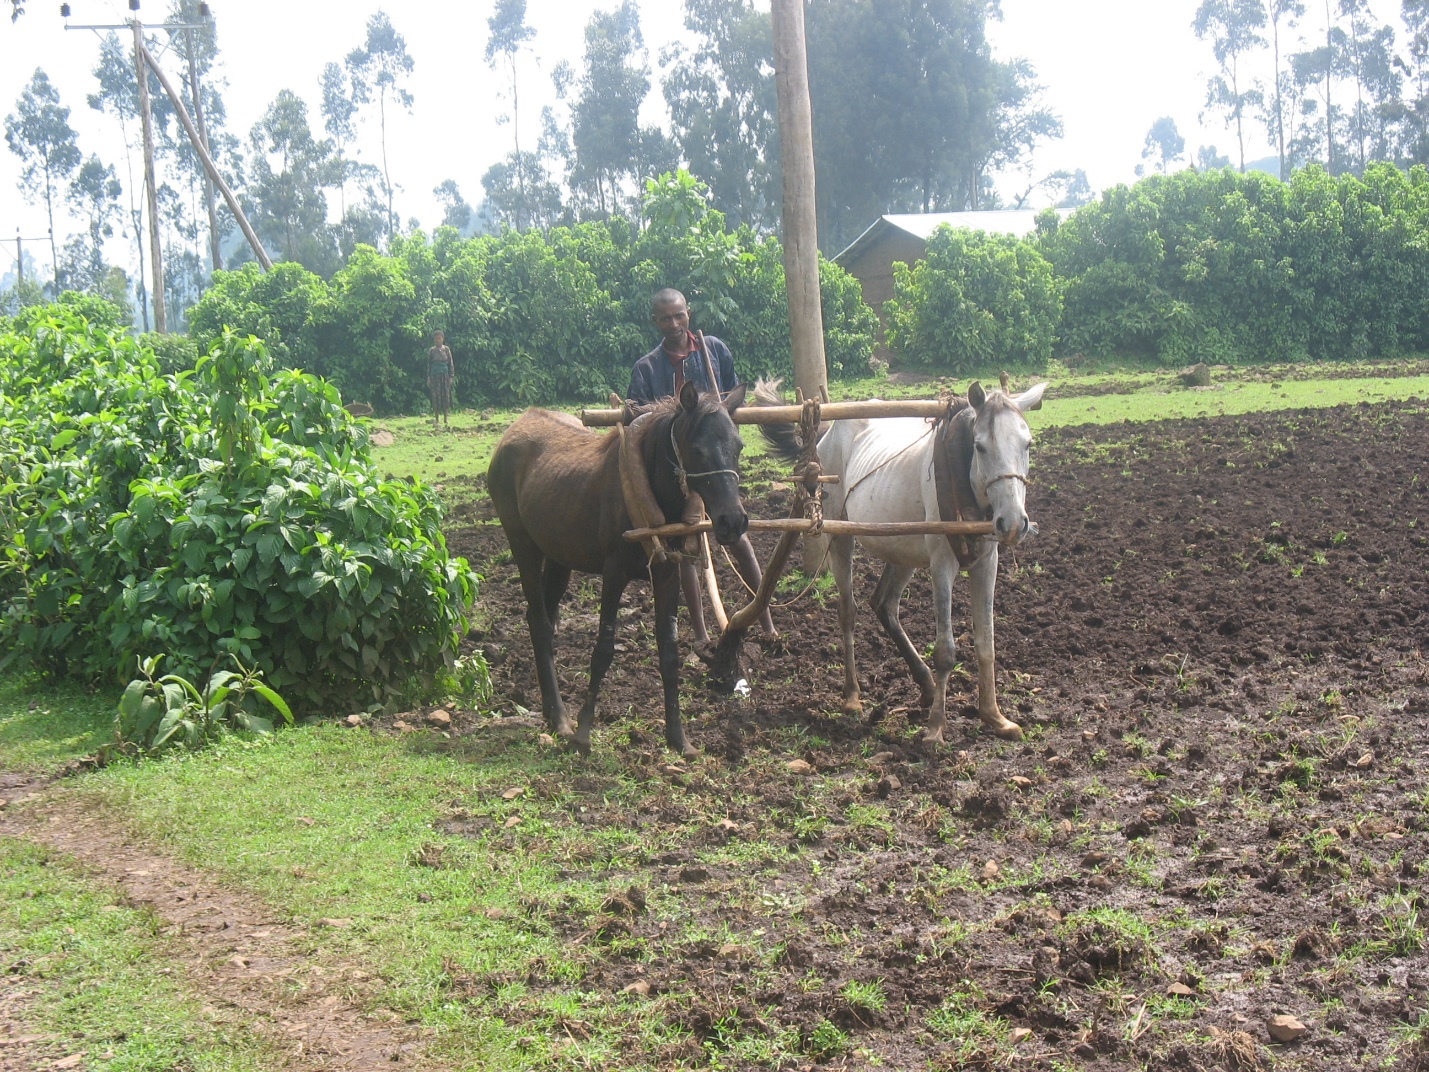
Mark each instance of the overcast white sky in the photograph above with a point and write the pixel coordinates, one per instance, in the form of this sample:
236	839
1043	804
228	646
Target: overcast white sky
1110	68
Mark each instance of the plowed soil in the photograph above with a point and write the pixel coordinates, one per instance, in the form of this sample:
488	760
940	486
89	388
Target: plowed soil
1220	813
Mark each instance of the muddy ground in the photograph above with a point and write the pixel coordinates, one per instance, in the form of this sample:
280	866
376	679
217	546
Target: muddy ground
1220	814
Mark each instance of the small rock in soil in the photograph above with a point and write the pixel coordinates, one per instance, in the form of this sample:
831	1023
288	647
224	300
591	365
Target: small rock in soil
1285	1028
1017	1034
440	718
799	766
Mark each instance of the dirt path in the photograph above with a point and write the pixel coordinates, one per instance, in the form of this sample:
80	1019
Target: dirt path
235	952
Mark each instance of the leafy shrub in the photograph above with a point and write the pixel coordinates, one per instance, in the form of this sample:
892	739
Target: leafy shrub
284	308
1228	267
155	713
222	512
533	317
173	353
973	300
100	312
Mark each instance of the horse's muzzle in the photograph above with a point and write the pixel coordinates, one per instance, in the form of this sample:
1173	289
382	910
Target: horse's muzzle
1009	535
730	527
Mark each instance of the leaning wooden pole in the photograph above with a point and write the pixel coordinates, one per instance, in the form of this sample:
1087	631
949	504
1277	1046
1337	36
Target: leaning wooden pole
208	164
156	256
796	151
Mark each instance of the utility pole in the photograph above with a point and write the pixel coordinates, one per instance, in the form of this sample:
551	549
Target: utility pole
210	168
198	138
156	257
801	248
215	253
20	253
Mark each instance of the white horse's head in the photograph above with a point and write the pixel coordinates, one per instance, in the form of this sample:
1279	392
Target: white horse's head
1001	445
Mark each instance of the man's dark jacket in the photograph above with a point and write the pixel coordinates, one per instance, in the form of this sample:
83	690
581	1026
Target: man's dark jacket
654	376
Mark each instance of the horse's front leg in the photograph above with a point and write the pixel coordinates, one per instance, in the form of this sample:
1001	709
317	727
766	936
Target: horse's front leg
944	569
612	586
531	565
841	565
982	576
665	580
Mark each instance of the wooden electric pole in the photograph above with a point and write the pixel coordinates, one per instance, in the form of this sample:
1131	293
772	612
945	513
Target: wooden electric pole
156	257
209	167
801	247
215	253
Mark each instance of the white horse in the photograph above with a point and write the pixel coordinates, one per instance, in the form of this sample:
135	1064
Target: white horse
889	471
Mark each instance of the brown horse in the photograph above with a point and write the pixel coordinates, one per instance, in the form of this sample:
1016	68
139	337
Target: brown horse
557	488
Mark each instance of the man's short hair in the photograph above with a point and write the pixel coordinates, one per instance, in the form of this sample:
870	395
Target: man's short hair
668	296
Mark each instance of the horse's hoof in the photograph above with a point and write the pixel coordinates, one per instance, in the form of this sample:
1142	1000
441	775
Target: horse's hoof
684	748
932	737
853	707
1001	727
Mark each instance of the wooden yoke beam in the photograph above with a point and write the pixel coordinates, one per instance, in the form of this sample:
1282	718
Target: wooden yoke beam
829	411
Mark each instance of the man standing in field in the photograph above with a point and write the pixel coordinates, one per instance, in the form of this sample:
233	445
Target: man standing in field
683	356
440	375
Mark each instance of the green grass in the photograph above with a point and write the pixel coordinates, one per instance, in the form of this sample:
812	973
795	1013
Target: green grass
43	725
1230	398
327	823
95	971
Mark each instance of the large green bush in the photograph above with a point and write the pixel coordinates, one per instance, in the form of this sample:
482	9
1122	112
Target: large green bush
224	510
533	317
974	299
1230	267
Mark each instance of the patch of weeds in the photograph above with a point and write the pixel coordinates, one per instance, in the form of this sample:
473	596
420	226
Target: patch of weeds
1109	939
826	1041
1398	933
868	996
870	819
794	582
960	1020
733	1042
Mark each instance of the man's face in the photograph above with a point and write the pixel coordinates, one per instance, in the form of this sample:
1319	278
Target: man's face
672	320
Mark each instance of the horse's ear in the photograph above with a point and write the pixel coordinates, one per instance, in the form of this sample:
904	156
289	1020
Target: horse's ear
735	398
689	397
976	395
1030	398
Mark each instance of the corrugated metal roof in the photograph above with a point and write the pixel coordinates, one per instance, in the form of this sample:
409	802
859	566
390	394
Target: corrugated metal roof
1019	222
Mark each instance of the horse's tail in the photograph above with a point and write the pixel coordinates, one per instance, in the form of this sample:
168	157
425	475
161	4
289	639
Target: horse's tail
783	439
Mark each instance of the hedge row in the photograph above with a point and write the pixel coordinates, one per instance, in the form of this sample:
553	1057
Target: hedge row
1212	266
532	317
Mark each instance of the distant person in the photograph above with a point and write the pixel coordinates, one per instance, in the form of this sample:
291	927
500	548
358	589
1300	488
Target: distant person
440	375
663	372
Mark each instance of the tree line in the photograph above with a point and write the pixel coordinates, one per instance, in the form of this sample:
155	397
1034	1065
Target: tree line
1211	266
531	316
877	73
1325	81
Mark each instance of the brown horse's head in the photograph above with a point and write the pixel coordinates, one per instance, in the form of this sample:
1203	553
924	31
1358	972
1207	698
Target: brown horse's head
703	443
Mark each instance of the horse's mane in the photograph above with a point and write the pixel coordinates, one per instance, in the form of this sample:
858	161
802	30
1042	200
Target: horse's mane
669	406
